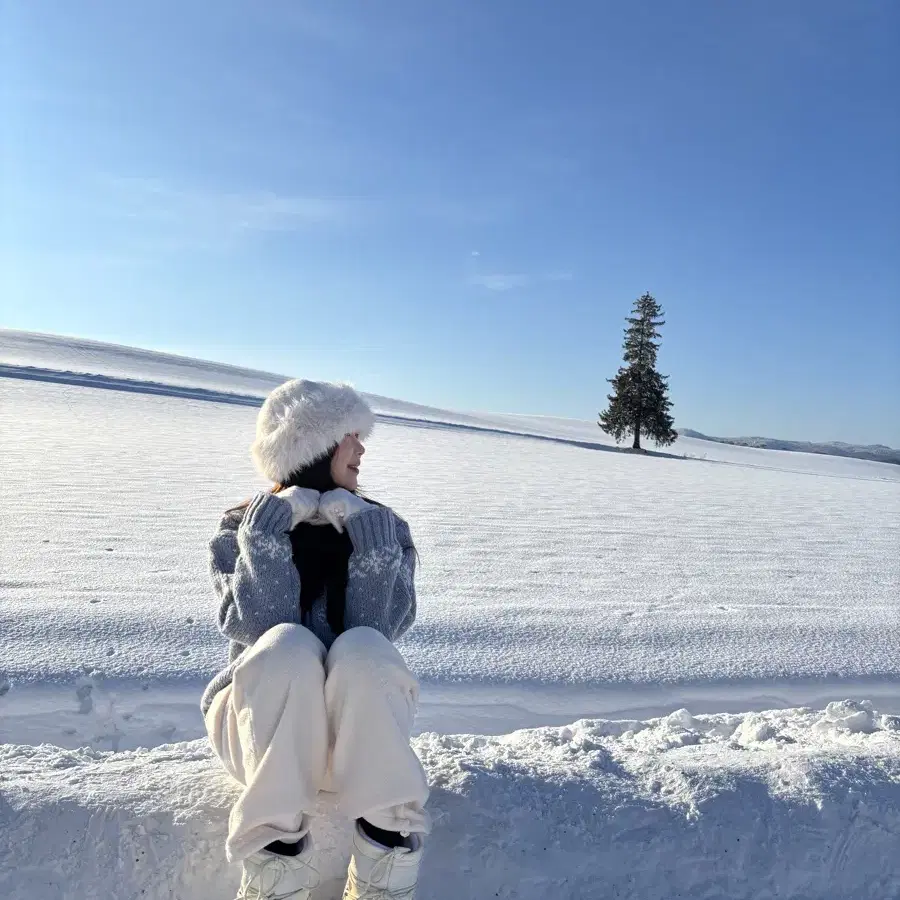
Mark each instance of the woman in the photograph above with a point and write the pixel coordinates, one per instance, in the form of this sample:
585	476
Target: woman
315	584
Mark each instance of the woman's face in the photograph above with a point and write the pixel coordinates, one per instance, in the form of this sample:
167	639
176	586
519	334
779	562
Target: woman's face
346	461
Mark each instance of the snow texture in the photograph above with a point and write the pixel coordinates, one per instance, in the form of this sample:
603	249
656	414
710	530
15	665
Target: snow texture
553	576
560	579
778	804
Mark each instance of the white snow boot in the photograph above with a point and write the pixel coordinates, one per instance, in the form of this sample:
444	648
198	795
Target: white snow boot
377	873
271	876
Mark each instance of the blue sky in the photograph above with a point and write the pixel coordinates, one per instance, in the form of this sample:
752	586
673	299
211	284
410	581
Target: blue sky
457	203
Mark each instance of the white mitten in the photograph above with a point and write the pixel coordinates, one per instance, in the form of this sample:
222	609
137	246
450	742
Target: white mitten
304	503
339	505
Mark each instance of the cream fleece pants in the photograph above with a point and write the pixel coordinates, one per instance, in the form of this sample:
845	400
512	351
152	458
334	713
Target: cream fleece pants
298	719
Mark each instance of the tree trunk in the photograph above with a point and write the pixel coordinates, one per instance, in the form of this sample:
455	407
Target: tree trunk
637	425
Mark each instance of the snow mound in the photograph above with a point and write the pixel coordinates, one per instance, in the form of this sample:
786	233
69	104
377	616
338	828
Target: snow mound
96	364
678	573
789	803
83	356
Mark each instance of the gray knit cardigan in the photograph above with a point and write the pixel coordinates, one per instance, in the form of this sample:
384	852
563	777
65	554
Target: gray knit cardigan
253	573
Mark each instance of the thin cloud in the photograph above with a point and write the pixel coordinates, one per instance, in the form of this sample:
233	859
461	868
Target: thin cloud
368	33
189	217
248	211
505	282
458	212
501	282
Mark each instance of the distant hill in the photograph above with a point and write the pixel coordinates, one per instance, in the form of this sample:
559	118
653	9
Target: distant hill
876	452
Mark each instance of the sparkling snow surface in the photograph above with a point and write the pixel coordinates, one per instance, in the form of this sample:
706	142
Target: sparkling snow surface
560	580
789	804
556	579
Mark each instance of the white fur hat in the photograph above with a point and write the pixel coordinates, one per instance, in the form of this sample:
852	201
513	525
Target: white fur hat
301	421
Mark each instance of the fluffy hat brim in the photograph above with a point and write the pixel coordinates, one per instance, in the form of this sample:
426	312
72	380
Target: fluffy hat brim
301	421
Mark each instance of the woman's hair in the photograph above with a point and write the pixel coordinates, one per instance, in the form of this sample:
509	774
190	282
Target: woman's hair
321	554
316	476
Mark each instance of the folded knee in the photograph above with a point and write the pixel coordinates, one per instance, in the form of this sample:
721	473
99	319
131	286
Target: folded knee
362	651
287	650
361	644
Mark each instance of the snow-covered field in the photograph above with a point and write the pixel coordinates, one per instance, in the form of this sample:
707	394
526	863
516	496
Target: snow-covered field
787	804
560	580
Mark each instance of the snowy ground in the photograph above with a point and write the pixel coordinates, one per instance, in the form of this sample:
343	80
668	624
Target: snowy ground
560	580
755	807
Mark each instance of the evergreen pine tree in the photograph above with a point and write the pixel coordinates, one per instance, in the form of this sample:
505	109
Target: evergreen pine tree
639	403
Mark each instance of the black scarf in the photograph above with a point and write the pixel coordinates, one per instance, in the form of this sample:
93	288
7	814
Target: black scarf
322	557
321	553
